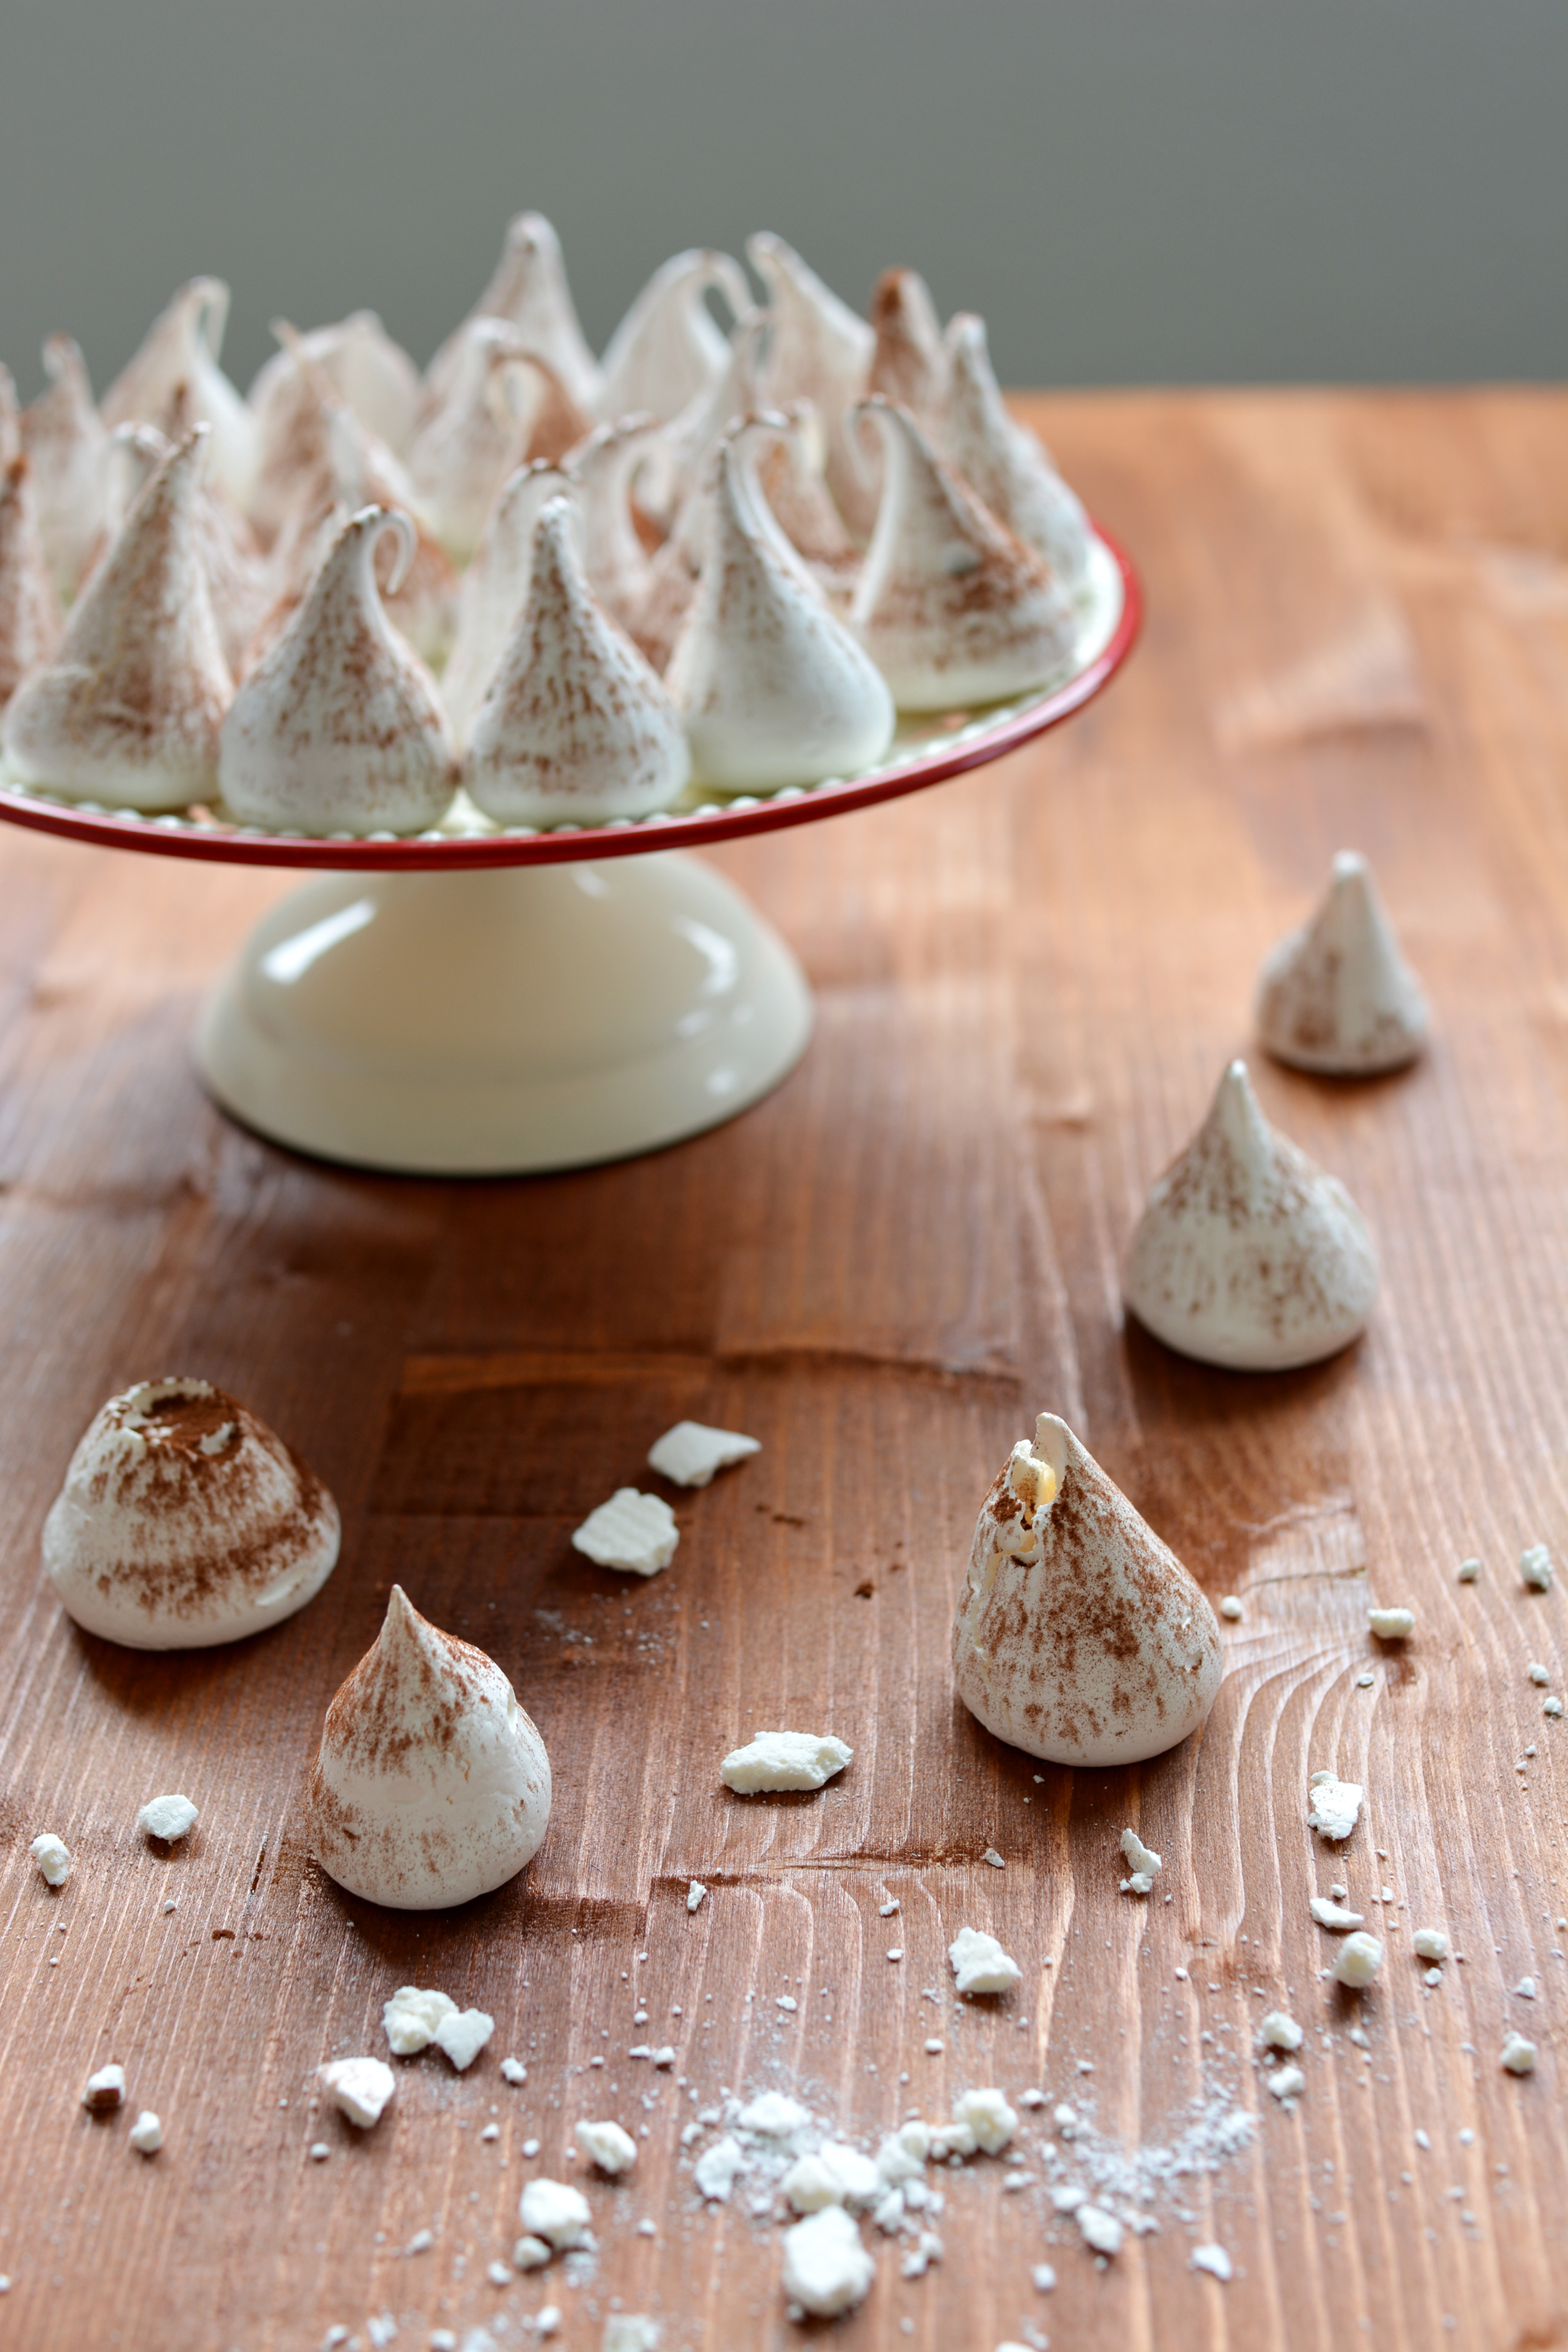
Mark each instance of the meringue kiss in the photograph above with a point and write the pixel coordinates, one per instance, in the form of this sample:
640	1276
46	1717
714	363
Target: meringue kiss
29	612
1337	995
1247	1255
181	348
184	1521
1002	461
65	439
1079	1635
666	349
432	1786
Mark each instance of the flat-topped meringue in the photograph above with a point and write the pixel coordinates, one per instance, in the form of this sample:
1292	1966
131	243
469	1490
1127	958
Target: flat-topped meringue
950	605
364	366
1336	994
495	589
339	727
184	1521
818	350
575	728
29	609
64	436
667	349
1002	461
1247	1255
182	346
130	709
432	1786
528	290
1079	1635
773	688
909	363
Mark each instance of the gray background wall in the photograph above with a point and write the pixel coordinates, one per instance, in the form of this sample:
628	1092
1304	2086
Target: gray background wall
1131	190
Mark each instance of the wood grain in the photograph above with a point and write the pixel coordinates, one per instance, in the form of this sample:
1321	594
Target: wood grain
1027	982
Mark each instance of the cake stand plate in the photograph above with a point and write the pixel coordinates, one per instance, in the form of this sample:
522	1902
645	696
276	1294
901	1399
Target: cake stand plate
484	1002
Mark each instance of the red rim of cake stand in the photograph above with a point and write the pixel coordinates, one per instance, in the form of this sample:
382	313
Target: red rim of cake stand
229	846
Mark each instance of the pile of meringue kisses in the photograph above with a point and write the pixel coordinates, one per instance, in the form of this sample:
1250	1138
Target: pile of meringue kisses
571	588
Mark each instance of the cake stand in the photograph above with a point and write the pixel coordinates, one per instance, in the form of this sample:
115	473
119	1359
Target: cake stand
479	1001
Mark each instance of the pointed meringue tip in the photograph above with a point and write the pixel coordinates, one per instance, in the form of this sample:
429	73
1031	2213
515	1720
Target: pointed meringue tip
1053	1442
402	1617
1349	866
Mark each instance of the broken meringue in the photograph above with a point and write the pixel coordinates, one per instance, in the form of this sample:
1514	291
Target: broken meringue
183	1521
668	350
1078	1636
575	727
689	1454
1003	462
432	1786
979	1964
1247	1255
130	709
67	446
631	1531
358	2087
784	1759
181	349
1143	1863
30	611
339	728
1336	994
528	290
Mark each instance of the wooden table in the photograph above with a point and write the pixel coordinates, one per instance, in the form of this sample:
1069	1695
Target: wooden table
1027	983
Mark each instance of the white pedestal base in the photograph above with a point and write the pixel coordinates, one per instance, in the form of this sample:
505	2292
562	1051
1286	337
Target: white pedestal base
503	1020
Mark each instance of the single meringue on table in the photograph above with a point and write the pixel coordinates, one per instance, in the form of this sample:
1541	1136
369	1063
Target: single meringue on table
130	709
773	688
1079	1635
432	1786
29	609
184	1521
339	728
667	349
1002	461
1337	995
1247	1255
494	589
576	728
528	290
951	607
64	436
182	346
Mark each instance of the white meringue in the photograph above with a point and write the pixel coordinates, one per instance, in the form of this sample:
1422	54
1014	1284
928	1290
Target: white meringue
689	1454
359	2088
601	470
1079	1635
950	605
29	610
65	438
791	478
495	589
773	688
184	1521
681	459
909	363
1247	1255
818	350
339	728
466	447
1336	994
1002	461
668	350
364	367
182	346
238	584
298	447
129	710
575	727
528	290
432	1786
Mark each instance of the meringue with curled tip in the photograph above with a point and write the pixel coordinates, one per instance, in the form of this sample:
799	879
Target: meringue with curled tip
773	688
30	622
909	363
821	352
431	1786
298	442
339	728
67	445
951	607
1247	1255
495	589
130	709
681	459
1336	995
364	367
791	478
668	350
603	470
576	728
184	1521
182	346
528	290
500	403
1002	461
1078	1636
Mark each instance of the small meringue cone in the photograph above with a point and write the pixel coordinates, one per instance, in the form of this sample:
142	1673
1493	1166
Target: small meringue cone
819	351
1337	995
773	688
1078	1636
550	419
339	728
65	442
1247	1255
529	292
296	442
950	605
10	417
29	609
603	470
238	582
576	728
466	447
495	589
182	346
909	364
790	474
1003	462
667	350
129	710
363	366
680	458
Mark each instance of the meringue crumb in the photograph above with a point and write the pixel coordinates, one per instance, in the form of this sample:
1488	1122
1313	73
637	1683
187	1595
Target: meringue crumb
1334	1806
1538	1673
146	2133
168	1818
53	1856
359	2088
1360	1959
784	1759
1535	1568
463	2035
886	1910
607	2145
1338	1921
694	1893
1430	1944
1392	1624
1518	2054
1214	2259
514	2072
1230	1607
1287	2083
689	1454
994	1858
632	1531
1470	1571
1144	1865
895	1951
1551	1706
1279	2031
935	2048
105	2090
980	1964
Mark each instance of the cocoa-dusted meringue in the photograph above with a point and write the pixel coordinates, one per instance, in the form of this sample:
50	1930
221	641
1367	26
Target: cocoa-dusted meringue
791	478
130	709
1247	1255
909	363
666	349
1079	1635
773	688
65	438
238	583
1336	994
29	609
182	346
818	350
682	458
528	290
472	439
432	1786
1002	461
950	605
603	470
339	728
495	588
300	446
364	367
575	727
184	1521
